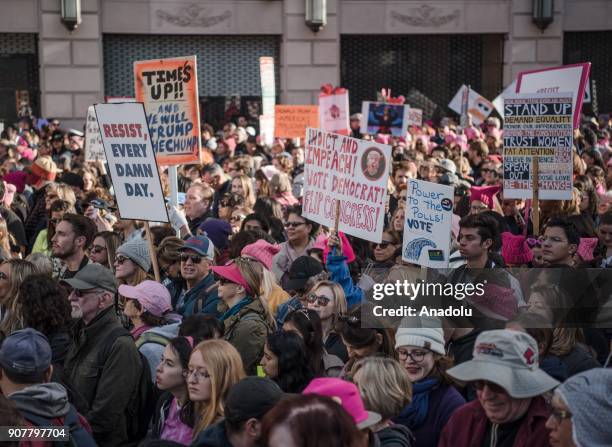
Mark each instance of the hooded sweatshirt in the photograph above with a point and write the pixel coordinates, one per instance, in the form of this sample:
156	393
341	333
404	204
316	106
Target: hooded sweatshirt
48	400
152	350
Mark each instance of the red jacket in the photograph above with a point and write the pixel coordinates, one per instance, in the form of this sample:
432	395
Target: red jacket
468	424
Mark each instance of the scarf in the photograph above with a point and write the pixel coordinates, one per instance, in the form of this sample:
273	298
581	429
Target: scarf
414	414
234	310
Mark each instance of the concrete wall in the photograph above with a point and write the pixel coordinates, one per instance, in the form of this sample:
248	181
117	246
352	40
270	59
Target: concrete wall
71	63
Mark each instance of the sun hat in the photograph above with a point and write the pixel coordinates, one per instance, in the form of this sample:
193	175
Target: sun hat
423	332
152	296
588	394
347	395
93	276
201	245
232	273
509	359
26	354
138	252
261	251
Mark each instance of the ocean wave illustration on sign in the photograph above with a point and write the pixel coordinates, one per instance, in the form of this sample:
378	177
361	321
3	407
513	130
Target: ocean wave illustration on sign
414	248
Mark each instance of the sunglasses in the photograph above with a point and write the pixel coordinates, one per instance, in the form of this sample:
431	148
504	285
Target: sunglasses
237	218
97	249
294	224
81	293
121	259
196	259
560	414
383	244
480	384
320	300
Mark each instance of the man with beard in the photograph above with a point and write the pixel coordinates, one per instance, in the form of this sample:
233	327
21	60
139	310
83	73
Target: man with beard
73	235
103	364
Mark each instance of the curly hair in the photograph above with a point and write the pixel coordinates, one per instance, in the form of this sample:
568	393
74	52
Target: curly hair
44	305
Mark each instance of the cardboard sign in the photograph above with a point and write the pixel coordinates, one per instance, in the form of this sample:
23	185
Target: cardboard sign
538	124
427	225
268	85
131	161
292	121
334	113
169	90
568	78
354	172
94	150
415	117
478	106
385	118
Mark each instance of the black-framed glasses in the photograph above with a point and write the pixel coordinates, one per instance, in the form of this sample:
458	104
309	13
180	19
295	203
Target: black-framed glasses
199	375
294	224
196	259
319	299
480	384
415	356
558	414
121	259
97	248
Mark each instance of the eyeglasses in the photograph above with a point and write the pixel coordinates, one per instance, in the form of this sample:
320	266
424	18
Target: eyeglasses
415	356
121	259
97	249
382	245
221	280
552	240
480	384
294	224
560	414
199	375
237	218
533	242
196	259
81	293
320	300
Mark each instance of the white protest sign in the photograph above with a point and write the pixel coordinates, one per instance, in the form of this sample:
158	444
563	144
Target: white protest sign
266	129
478	106
268	85
498	102
94	150
353	171
334	113
131	161
118	99
415	117
568	78
427	225
538	124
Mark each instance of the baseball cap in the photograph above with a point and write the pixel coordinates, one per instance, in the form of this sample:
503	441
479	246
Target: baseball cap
347	395
93	276
26	355
509	359
252	397
302	269
152	296
201	245
232	273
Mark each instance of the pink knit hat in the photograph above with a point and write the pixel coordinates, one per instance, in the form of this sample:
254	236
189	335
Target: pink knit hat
515	250
262	251
17	178
496	302
347	249
9	194
586	247
484	194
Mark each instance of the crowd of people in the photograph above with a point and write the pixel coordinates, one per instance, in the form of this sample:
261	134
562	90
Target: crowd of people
255	334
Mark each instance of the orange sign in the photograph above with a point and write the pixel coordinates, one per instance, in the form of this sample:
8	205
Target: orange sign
292	121
169	90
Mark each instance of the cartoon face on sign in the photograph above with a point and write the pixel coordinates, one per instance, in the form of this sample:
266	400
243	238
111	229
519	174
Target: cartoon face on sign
481	108
373	163
334	111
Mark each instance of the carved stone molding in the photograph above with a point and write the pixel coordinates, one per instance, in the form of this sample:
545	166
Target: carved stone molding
192	15
425	16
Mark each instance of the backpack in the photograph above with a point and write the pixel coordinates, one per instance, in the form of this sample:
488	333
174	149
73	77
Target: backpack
78	436
141	405
149	337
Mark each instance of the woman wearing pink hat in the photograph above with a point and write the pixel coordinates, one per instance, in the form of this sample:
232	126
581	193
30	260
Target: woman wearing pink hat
147	306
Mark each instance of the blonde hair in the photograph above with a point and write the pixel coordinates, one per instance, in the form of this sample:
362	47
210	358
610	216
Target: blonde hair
20	270
384	385
5	238
225	369
254	274
63	192
564	340
340	305
248	188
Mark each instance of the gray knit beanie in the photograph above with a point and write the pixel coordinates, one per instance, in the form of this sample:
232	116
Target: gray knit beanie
138	252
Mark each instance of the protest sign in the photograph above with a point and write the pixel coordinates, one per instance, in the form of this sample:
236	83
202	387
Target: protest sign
568	78
266	129
169	90
118	99
478	106
415	117
427	225
131	161
351	171
498	102
268	85
334	112
292	121
94	150
538	124
385	118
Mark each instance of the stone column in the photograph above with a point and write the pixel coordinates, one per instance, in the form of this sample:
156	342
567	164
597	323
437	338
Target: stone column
529	48
308	59
71	76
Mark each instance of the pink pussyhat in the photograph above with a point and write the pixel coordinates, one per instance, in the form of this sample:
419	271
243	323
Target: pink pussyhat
484	194
9	194
347	250
347	395
261	251
586	247
515	250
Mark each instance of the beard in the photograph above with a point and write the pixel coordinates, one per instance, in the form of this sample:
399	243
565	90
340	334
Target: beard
64	253
76	312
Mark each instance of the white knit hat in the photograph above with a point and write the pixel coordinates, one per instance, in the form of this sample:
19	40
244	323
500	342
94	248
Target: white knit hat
428	335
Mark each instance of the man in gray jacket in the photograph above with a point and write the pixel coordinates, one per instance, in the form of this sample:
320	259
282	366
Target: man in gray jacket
107	381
